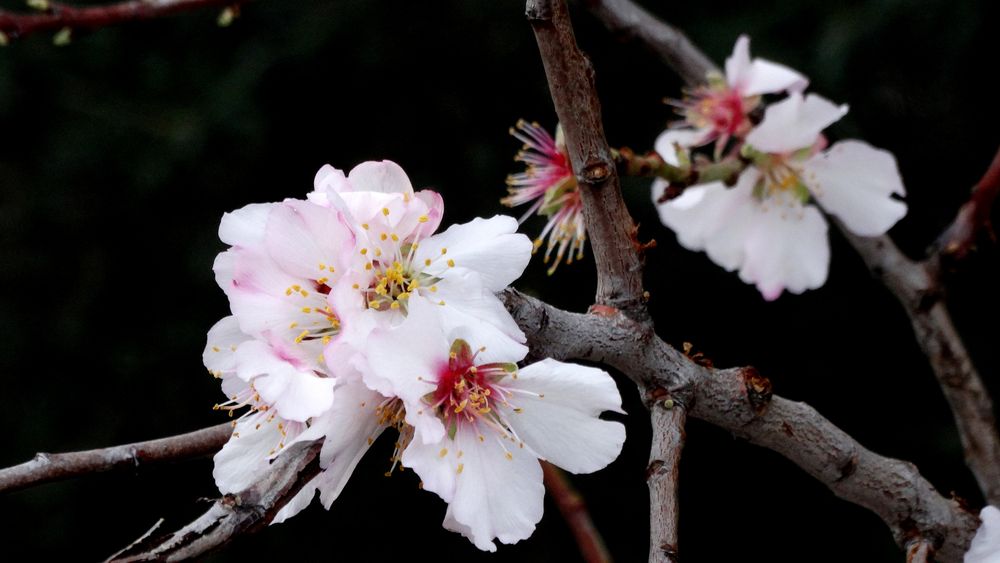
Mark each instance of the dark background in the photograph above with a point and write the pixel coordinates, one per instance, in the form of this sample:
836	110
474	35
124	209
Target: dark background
119	154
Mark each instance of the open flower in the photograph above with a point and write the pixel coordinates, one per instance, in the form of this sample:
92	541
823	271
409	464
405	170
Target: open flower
985	546
721	110
766	226
481	424
549	185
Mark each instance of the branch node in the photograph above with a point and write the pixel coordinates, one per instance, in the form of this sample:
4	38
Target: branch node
758	388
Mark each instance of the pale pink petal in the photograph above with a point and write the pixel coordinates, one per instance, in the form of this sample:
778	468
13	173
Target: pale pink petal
794	123
985	546
854	181
348	430
787	250
712	217
496	495
558	417
223	340
435	209
245	226
490	248
296	394
328	182
760	76
668	141
384	177
308	241
224	267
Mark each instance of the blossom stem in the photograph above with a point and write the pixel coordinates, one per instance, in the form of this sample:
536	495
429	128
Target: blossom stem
652	165
574	511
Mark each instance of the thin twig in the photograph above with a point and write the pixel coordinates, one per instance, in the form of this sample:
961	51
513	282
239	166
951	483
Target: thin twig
574	512
740	401
917	285
973	218
138	541
60	16
628	21
245	512
920	551
667	418
45	468
609	225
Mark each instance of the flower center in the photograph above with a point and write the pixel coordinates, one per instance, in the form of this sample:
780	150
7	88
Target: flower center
721	110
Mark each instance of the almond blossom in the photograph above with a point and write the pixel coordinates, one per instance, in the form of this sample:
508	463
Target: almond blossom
720	110
481	425
985	547
549	185
767	226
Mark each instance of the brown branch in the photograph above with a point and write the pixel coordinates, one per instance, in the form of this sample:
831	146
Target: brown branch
973	218
609	225
740	401
574	511
667	418
61	16
916	285
630	22
245	512
45	468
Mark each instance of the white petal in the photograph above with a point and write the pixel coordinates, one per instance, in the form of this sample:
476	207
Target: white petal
787	249
385	177
491	248
794	123
436	463
223	340
479	316
668	141
245	458
296	394
495	497
559	418
712	217
302	236
349	428
985	546
245	226
760	76
854	181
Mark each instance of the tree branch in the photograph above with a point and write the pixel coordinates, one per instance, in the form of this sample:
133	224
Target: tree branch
916	285
629	21
974	217
61	16
245	512
45	468
609	225
574	511
740	401
667	418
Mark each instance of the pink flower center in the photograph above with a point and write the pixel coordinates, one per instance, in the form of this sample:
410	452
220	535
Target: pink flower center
723	111
466	393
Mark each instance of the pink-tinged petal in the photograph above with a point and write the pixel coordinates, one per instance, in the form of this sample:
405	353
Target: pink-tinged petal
467	308
224	268
349	428
384	177
328	182
308	241
560	405
854	181
223	340
245	458
985	547
787	250
794	123
668	141
490	248
296	394
245	227
712	217
406	361
760	76
435	210
496	495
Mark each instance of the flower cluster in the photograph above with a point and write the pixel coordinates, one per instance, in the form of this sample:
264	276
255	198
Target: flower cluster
352	315
549	185
766	226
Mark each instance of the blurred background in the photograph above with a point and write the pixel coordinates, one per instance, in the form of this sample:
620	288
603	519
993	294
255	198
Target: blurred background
120	152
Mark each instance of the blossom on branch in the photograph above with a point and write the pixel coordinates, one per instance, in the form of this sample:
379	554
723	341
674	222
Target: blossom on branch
767	226
549	185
